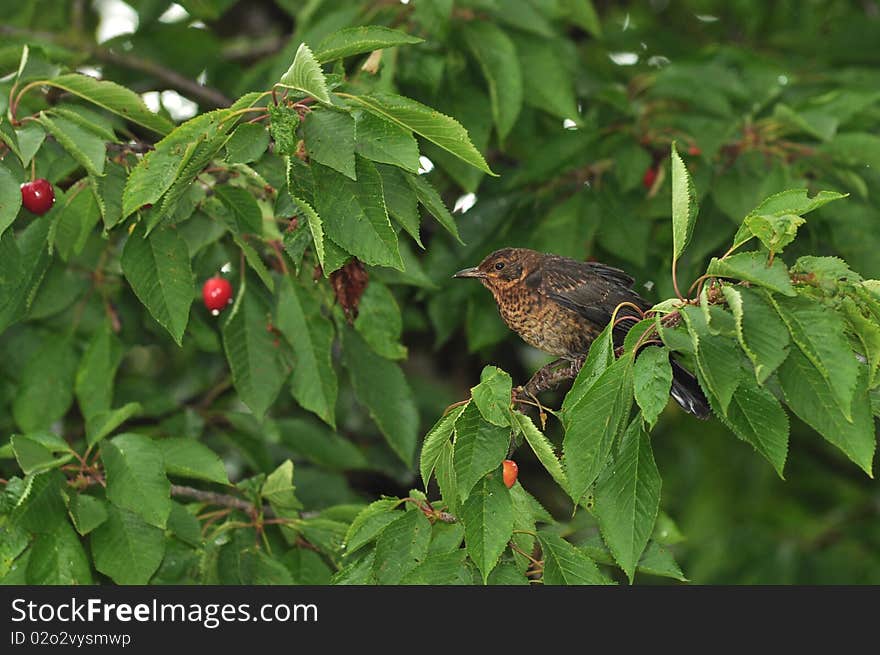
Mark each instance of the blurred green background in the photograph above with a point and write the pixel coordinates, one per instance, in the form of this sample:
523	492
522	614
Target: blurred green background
759	96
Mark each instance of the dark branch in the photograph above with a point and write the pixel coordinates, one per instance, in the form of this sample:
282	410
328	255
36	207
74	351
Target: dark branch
204	94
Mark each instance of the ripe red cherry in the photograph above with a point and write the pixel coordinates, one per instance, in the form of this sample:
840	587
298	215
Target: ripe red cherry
217	293
510	469
648	179
37	196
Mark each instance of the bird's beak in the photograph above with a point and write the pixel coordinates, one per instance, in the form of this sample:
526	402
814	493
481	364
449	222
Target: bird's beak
470	272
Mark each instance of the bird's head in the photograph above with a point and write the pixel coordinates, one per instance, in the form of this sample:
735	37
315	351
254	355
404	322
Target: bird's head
503	268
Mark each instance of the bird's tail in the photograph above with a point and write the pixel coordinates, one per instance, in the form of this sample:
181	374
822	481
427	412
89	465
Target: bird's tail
687	393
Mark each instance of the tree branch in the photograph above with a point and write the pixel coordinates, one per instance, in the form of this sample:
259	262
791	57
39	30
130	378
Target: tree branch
205	94
223	500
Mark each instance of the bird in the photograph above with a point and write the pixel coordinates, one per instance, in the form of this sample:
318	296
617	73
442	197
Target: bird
560	305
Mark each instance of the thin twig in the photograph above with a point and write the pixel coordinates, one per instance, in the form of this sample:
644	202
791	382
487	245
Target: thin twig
214	498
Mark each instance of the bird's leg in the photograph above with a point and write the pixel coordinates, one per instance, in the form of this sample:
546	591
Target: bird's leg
575	365
544	378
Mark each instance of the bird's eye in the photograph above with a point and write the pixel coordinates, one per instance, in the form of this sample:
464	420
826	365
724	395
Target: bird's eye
499	266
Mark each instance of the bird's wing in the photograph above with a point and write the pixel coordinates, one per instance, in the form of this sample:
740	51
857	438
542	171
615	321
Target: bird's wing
591	289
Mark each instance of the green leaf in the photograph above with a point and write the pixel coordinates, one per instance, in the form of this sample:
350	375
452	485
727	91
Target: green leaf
435	441
479	448
718	358
279	490
762	334
158	269
185	526
112	97
402	203
97	368
243	207
41	506
379	321
45	389
321	446
795	201
329	137
684	205
547	81
310	334
14	274
109	190
446	537
357	40
87	512
30	138
659	561
775	232
438	128
492	395
354	213
488	523
628	498
254	357
158	169
566	565
430	200
755	416
125	548
402	546
442	569
188	458
543	449
305	75
10	198
444	471
84	146
599	357
753	267
247	143
381	386
136	477
583	14
652	380
315	227
369	523
58	558
34	457
593	423
74	221
283	121
103	423
380	140
828	272
496	54
820	335
867	331
10	138
255	262
811	398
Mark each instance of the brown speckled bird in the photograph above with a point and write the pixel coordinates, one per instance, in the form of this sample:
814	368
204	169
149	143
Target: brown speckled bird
560	305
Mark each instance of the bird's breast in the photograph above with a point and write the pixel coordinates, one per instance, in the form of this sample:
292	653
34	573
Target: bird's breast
543	323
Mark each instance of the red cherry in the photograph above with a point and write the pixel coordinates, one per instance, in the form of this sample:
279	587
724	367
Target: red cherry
510	469
37	196
695	151
649	178
217	293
